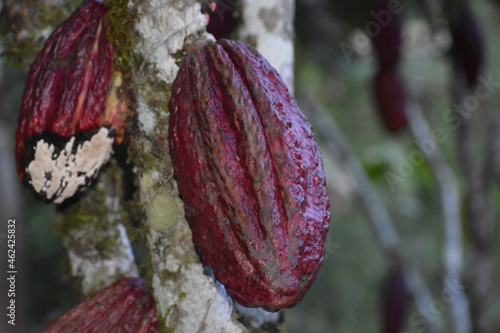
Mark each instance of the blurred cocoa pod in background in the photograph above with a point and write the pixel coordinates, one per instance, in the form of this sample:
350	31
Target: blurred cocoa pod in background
386	39
394	300
467	50
222	17
390	99
385	27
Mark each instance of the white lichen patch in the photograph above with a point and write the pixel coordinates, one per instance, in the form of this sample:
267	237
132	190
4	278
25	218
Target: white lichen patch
269	23
147	118
96	272
203	308
164	32
59	176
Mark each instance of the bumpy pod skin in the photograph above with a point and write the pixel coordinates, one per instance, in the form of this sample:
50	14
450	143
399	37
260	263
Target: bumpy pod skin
126	306
70	114
390	98
250	174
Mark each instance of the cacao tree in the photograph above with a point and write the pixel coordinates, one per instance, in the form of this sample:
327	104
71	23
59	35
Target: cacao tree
403	100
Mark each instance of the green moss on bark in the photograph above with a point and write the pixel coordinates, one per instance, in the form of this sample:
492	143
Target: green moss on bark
121	33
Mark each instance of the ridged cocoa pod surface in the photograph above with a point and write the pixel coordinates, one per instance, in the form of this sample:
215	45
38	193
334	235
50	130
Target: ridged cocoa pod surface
390	99
126	306
467	49
250	174
70	114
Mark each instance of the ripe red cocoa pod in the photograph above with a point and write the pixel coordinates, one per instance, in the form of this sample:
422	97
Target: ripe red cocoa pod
390	99
70	114
467	49
126	306
250	174
386	30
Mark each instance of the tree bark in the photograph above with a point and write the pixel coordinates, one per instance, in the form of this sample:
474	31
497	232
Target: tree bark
268	25
188	299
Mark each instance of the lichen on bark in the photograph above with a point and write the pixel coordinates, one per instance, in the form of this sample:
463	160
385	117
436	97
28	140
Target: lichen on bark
93	230
188	300
268	26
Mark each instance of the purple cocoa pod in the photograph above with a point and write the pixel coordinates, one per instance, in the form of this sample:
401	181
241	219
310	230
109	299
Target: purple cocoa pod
394	302
70	114
222	17
250	174
390	99
126	306
385	28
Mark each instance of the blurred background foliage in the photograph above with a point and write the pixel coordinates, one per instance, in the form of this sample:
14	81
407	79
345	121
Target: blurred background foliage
349	294
351	289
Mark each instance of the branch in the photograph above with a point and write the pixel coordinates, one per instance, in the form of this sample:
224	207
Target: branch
479	180
450	205
481	231
495	153
268	25
188	299
491	170
387	235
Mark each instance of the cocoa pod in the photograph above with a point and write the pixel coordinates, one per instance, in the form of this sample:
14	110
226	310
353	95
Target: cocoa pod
250	174
70	114
126	306
394	301
387	40
467	49
390	99
222	17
